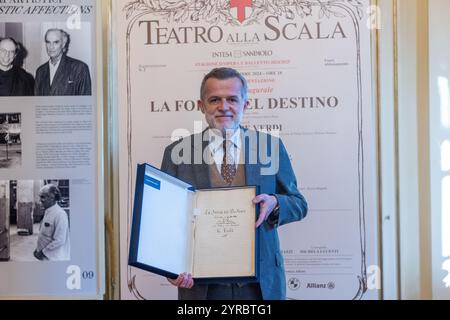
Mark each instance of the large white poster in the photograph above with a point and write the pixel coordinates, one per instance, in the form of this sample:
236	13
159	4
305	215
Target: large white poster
50	217
308	64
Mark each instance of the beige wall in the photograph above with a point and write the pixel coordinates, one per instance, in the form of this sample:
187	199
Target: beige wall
439	84
414	52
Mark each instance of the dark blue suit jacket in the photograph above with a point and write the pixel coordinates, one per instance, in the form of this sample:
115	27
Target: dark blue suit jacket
282	184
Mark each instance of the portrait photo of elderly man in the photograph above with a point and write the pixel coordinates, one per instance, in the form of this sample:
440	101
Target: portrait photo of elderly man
14	80
61	75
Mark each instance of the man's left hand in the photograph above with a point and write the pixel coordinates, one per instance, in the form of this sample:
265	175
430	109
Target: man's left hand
267	204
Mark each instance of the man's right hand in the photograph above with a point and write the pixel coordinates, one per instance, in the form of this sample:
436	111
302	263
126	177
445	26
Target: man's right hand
184	280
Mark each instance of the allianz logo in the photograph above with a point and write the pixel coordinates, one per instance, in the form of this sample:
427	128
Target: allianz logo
312	285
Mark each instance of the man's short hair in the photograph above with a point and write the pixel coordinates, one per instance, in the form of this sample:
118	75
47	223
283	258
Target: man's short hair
65	35
223	74
51	188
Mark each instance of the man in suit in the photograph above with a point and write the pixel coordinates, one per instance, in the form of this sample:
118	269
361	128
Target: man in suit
14	80
239	157
61	75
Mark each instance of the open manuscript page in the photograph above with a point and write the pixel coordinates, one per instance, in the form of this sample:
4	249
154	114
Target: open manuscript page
224	239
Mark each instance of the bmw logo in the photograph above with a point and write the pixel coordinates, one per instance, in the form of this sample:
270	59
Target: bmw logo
294	284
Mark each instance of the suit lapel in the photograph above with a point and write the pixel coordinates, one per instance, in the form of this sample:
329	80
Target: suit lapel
59	77
252	170
45	80
201	171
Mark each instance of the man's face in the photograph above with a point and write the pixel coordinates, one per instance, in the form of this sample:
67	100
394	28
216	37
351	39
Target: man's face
54	43
7	53
47	199
223	104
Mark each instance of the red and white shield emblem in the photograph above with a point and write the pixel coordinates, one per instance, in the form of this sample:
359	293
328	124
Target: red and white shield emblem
241	9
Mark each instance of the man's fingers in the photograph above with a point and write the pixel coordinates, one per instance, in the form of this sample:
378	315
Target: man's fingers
261	218
259	199
262	198
267	204
190	282
176	282
183	281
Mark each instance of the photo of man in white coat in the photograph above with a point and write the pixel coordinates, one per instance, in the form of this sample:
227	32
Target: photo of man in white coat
53	242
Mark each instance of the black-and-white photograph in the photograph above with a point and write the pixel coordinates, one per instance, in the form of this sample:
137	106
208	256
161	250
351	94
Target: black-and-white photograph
14	80
10	140
34	220
45	59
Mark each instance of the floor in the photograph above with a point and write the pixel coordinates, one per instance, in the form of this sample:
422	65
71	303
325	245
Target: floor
22	247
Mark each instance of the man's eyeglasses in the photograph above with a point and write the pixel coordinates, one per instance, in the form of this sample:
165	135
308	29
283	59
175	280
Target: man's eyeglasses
7	52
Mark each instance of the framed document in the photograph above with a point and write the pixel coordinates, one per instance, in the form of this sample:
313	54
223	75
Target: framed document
208	233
